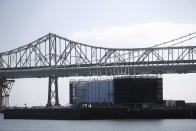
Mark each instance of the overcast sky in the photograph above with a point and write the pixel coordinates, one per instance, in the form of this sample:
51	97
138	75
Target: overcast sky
111	23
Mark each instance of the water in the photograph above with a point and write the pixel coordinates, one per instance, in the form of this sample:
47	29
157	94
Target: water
98	125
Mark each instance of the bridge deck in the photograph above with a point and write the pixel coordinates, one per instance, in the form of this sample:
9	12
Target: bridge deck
95	71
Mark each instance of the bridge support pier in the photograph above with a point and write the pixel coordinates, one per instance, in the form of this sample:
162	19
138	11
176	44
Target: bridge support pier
5	88
53	92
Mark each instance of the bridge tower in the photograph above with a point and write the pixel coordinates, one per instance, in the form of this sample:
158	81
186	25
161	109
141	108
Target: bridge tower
53	97
5	88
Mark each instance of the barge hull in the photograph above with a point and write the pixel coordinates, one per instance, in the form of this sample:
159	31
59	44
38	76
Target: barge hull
99	113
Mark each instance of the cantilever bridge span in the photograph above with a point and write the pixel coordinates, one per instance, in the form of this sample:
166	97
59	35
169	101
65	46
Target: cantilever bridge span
54	56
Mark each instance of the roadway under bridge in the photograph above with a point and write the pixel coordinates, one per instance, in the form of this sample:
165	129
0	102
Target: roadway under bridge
54	56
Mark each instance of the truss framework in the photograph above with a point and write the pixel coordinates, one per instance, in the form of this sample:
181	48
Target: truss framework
54	51
53	99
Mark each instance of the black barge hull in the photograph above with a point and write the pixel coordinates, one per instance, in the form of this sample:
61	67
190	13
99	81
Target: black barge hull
99	113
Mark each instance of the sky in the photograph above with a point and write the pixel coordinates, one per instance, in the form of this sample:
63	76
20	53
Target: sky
107	23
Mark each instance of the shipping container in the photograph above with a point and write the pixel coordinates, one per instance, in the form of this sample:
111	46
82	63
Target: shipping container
92	92
190	105
170	103
138	90
174	103
116	91
180	103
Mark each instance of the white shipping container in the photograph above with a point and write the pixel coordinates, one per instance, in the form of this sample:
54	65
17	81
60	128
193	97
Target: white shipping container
94	91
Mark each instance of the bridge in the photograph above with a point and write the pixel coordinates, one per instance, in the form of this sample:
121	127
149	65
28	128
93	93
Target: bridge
54	56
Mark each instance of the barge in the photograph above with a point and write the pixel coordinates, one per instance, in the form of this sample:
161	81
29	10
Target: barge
99	113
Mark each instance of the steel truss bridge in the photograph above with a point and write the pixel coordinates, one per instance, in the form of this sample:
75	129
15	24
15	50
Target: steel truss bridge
54	56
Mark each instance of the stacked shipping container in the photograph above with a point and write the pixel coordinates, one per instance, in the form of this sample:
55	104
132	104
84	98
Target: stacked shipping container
137	90
116	91
92	92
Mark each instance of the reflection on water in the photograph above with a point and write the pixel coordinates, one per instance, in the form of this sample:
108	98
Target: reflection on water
98	125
